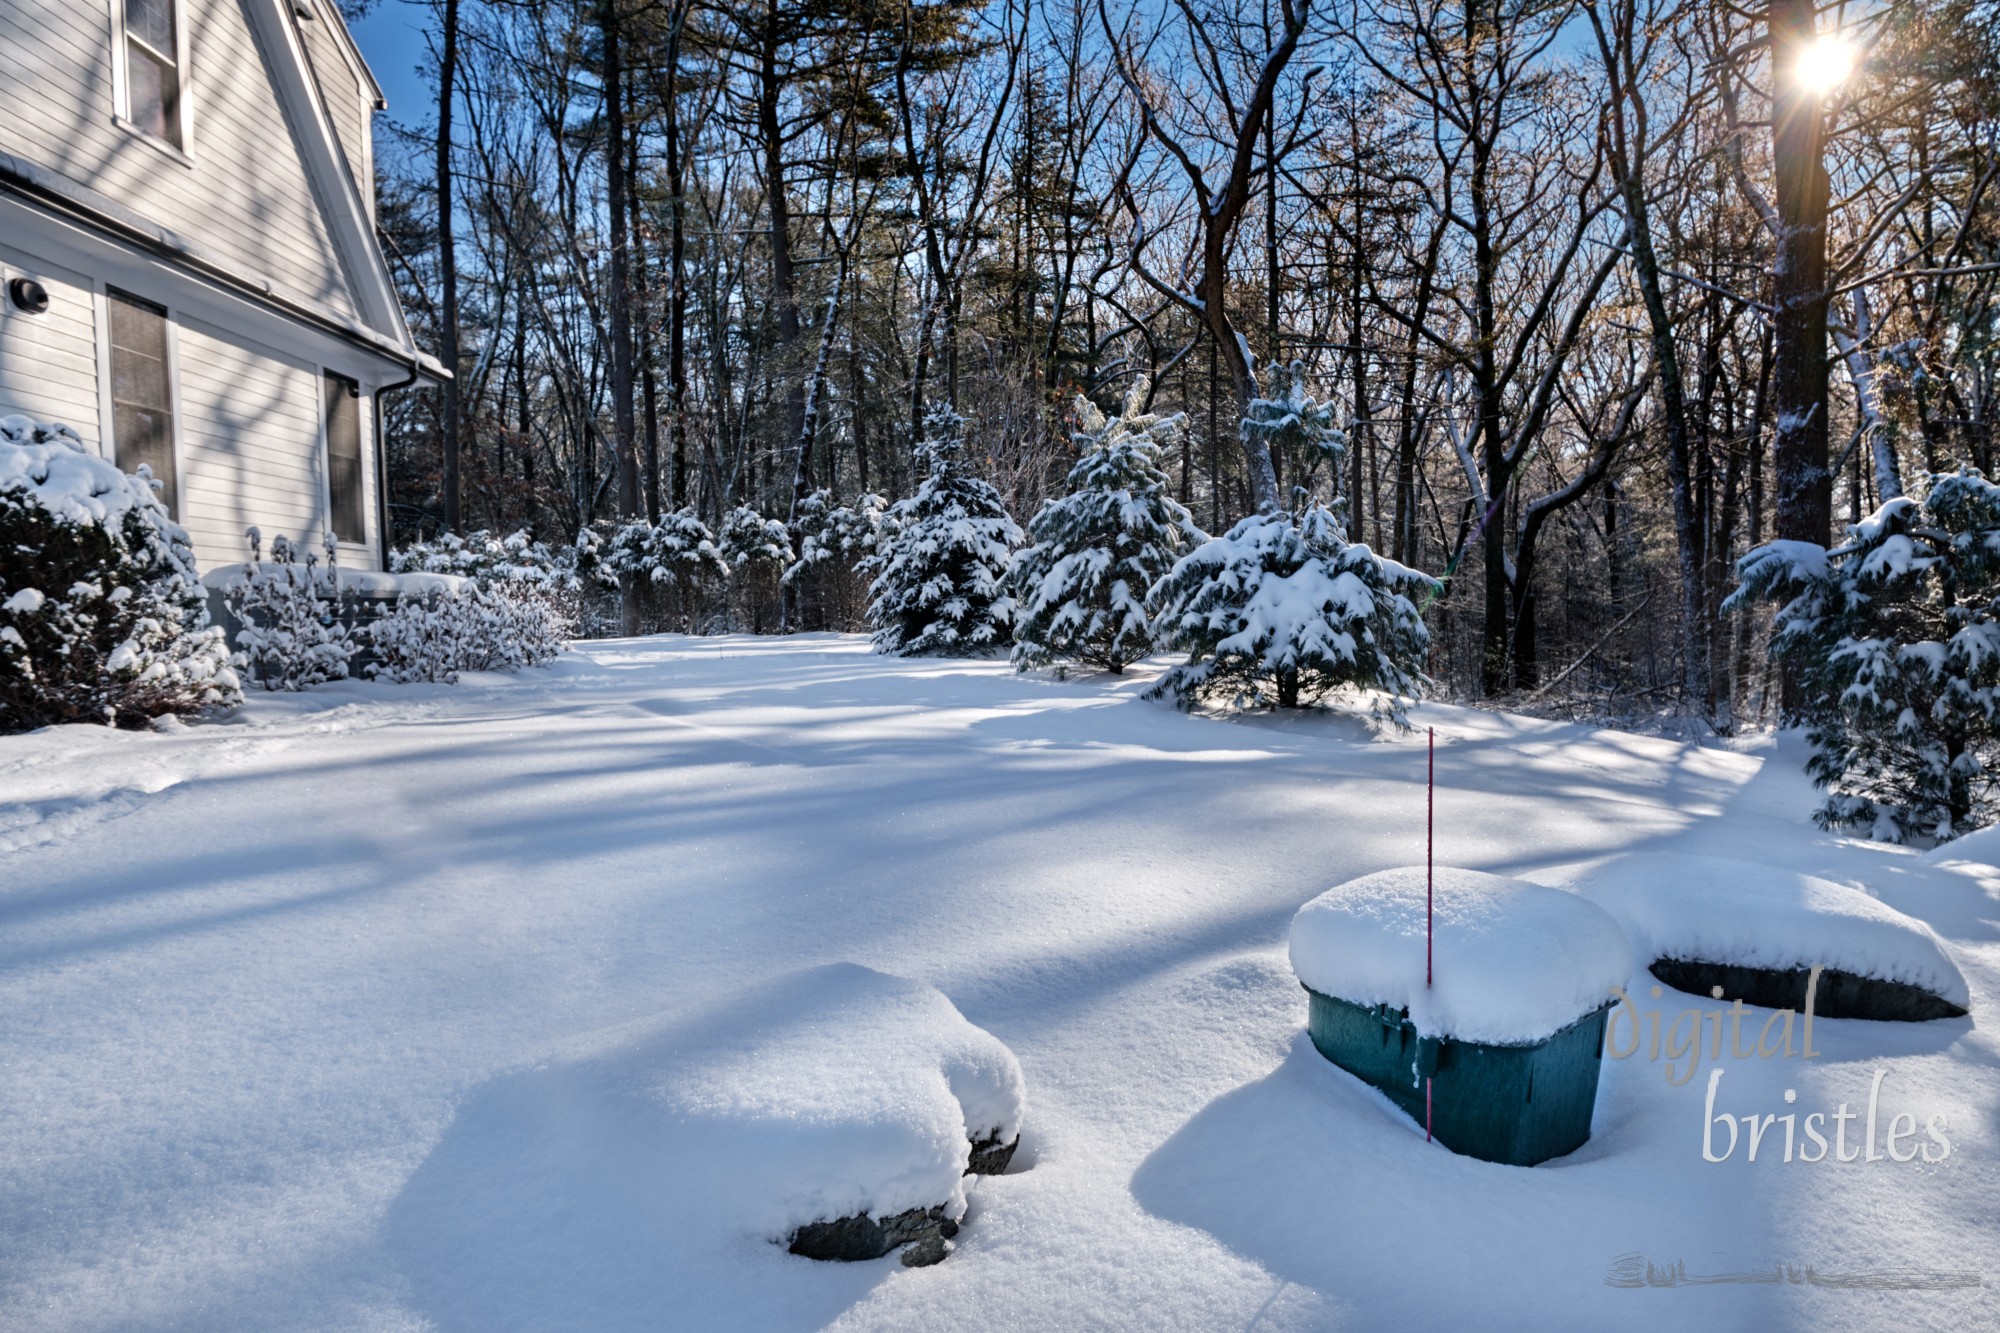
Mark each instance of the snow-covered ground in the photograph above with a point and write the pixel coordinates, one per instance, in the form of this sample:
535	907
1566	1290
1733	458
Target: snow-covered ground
275	994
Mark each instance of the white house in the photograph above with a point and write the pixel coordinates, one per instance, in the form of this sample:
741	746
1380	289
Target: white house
189	272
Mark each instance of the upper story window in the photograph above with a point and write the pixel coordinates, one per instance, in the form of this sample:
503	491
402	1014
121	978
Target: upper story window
153	82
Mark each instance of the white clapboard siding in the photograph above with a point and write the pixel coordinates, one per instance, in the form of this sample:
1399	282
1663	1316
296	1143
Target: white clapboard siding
250	444
242	192
48	362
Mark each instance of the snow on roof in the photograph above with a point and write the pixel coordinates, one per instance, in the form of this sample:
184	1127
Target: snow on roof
1722	910
1513	962
823	1094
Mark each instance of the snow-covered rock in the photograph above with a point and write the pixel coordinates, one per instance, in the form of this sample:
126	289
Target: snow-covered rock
1723	910
1512	962
835	1092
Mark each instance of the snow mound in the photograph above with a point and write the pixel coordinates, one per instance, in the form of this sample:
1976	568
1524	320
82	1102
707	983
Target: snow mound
1513	962
1981	846
828	1093
1721	910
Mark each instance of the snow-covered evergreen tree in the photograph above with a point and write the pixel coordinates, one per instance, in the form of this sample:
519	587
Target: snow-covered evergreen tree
1292	423
674	565
1284	610
834	542
756	549
1080	589
1895	641
940	576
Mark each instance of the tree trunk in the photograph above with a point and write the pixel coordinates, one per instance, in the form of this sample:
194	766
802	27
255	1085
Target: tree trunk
448	264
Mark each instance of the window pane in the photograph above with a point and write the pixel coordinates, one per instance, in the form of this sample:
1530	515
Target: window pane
343	457
152	22
142	420
153	94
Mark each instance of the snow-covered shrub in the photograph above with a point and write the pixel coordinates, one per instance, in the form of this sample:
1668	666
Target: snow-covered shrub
101	616
489	557
295	629
756	549
674	566
1081	588
834	542
478	627
940	576
1283	611
1895	644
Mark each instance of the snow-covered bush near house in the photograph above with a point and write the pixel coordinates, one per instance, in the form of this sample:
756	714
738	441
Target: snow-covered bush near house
1722	910
1080	589
941	573
102	618
1284	611
675	568
756	550
833	543
434	636
1895	641
491	557
1511	962
294	628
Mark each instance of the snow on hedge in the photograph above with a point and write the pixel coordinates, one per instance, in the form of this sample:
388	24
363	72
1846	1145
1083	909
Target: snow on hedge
1717	909
826	1093
1513	962
102	618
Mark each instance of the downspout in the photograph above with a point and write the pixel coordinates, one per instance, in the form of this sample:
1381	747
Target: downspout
381	461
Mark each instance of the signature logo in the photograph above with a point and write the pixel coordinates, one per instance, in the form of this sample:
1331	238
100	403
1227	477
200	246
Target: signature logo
1636	1270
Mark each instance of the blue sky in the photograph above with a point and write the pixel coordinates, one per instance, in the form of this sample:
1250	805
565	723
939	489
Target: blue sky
391	40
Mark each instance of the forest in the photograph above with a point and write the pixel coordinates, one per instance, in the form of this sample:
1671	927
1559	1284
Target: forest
1600	295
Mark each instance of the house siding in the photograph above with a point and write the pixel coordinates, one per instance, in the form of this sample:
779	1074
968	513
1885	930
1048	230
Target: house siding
48	362
251	451
243	188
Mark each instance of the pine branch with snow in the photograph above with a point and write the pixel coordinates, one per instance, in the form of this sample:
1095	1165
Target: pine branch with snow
833	543
941	575
756	550
1081	587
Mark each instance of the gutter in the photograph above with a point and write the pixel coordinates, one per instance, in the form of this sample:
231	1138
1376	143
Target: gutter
83	204
382	456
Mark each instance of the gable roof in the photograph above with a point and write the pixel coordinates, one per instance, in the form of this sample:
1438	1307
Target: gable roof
333	183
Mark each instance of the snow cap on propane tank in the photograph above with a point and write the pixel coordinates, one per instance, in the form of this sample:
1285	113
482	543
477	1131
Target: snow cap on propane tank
1512	962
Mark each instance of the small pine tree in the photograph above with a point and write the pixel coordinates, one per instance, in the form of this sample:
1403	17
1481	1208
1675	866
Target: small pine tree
1895	642
1283	610
941	573
1290	422
1081	588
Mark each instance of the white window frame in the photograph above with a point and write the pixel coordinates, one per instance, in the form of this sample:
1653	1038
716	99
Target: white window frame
107	430
121	85
362	406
